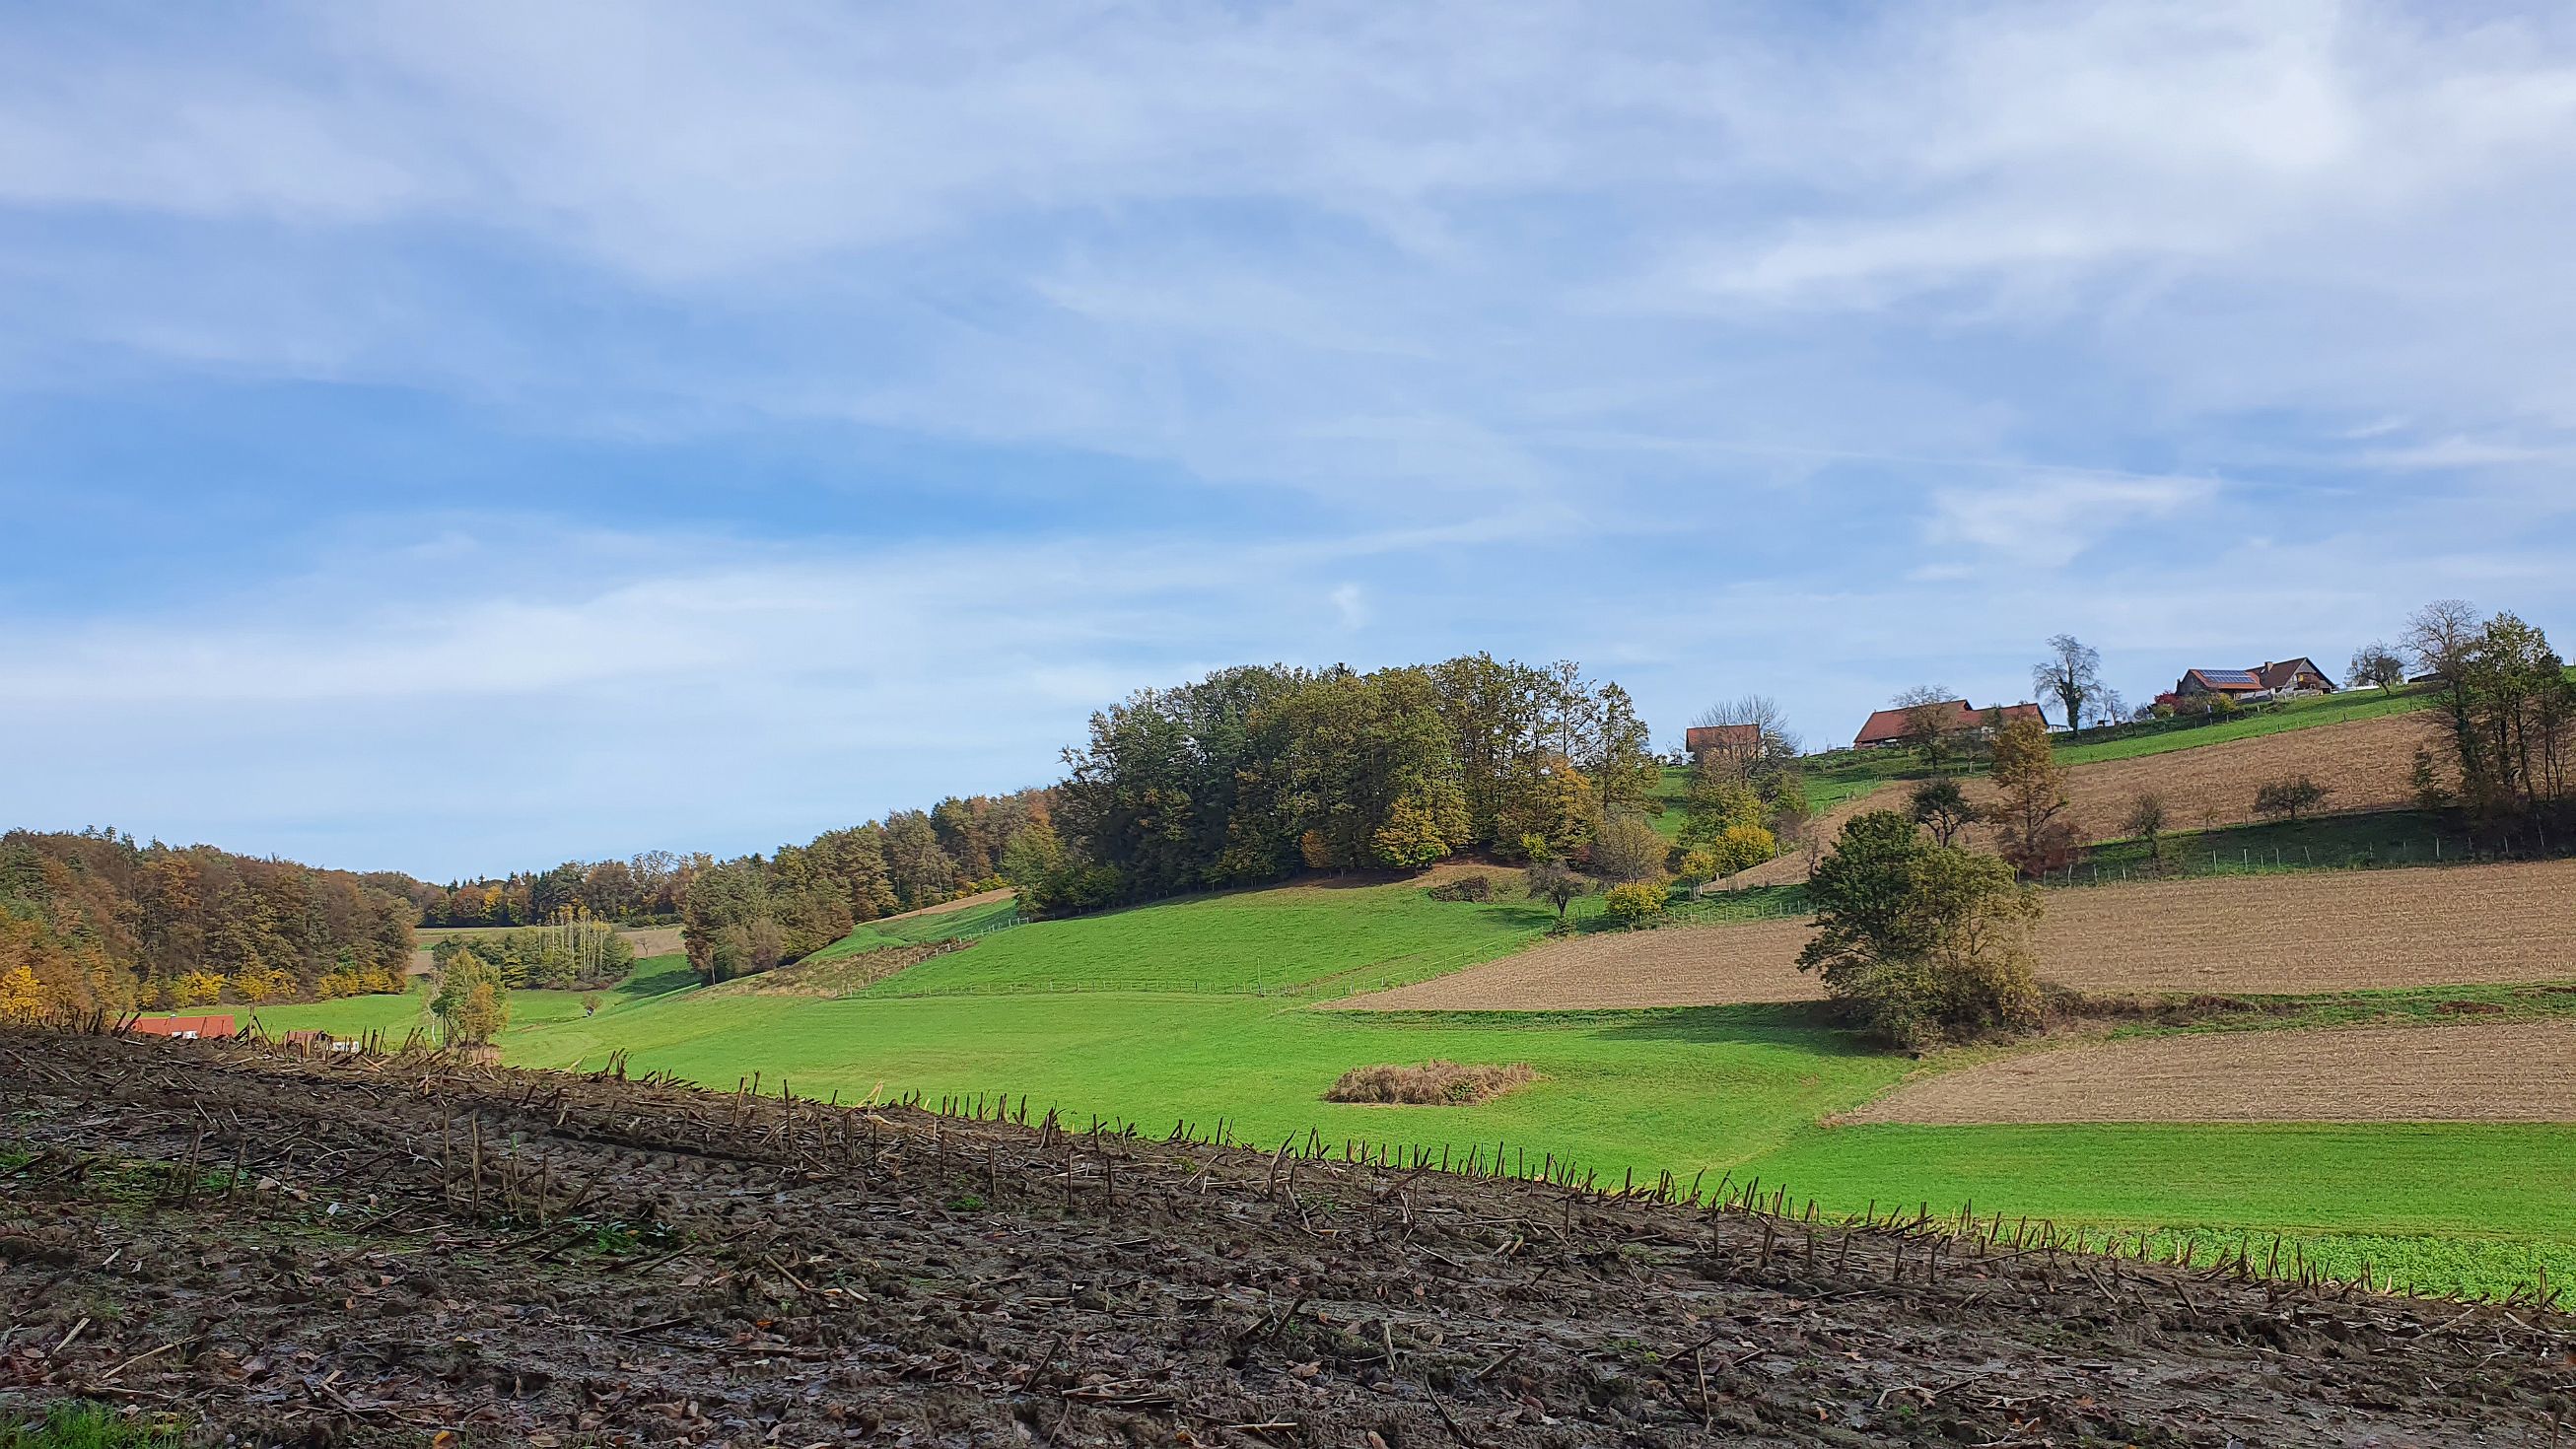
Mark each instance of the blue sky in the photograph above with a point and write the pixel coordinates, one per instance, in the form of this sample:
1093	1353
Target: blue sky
456	437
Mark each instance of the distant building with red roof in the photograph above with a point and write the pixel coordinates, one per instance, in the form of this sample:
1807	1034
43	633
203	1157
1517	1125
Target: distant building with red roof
186	1028
2288	676
1894	726
1741	739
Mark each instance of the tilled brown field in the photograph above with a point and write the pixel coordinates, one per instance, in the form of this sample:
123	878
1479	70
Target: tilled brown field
2505	1072
2263	935
406	1250
2369	765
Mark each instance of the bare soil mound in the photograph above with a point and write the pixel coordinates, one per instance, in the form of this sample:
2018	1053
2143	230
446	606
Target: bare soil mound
2504	1072
2262	935
412	1248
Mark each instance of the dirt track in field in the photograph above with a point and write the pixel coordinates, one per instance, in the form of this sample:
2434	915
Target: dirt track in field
2507	1072
2367	764
2265	935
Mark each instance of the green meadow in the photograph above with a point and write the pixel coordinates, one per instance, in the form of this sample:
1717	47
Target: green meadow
1207	1011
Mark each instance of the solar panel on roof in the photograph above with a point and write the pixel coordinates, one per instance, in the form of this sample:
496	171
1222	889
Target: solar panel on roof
2229	676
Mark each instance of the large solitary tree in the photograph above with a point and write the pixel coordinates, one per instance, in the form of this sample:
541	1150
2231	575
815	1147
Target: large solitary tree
1918	941
2375	665
2071	674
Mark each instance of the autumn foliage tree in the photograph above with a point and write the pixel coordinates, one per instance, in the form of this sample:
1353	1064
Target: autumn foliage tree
472	1006
2030	829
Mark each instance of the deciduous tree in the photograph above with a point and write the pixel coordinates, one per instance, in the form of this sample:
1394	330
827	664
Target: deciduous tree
1943	808
2071	675
1921	942
2031	832
2375	665
1626	848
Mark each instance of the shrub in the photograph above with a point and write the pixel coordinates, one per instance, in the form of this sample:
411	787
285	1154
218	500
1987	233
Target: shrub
2289	798
1742	847
1477	887
1921	942
1550	881
1700	865
1432	1084
1633	902
1626	848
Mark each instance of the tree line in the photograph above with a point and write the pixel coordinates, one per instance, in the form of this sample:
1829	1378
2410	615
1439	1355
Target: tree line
750	914
1255	773
96	920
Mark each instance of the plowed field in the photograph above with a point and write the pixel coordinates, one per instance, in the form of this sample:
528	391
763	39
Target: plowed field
2281	935
2508	1072
2368	764
381	1251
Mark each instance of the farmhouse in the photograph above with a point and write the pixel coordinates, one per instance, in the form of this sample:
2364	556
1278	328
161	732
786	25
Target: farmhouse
1894	726
1734	739
187	1028
2264	681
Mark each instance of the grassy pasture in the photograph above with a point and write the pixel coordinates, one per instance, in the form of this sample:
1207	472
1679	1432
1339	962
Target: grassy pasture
1198	1010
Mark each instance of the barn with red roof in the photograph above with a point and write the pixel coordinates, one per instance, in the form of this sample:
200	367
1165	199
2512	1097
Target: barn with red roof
1895	726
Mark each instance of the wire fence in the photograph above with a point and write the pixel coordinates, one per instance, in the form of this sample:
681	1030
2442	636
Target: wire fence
2195	861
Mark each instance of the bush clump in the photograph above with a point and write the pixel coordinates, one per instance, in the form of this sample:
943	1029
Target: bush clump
1430	1084
1633	904
1922	943
1477	887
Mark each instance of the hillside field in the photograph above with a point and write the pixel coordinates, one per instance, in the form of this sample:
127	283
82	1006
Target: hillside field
1198	1011
2290	934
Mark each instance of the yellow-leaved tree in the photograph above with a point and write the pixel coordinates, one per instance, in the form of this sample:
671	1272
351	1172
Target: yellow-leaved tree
22	996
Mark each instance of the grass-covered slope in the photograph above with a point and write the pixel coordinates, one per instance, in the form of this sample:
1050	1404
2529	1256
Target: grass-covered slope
1199	1009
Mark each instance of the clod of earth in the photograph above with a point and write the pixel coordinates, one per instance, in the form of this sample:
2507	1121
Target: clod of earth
381	1250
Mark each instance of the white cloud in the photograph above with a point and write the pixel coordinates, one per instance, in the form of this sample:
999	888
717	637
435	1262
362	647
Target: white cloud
2048	520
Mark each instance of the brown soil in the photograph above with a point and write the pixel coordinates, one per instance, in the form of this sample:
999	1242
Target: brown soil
840	976
2368	764
423	1252
944	907
1431	1084
2263	935
2500	1072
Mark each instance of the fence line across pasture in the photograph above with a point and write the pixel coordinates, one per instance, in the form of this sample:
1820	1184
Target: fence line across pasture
2408	853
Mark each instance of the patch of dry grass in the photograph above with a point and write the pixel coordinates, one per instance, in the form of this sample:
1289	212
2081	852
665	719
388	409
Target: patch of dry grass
837	975
1431	1084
